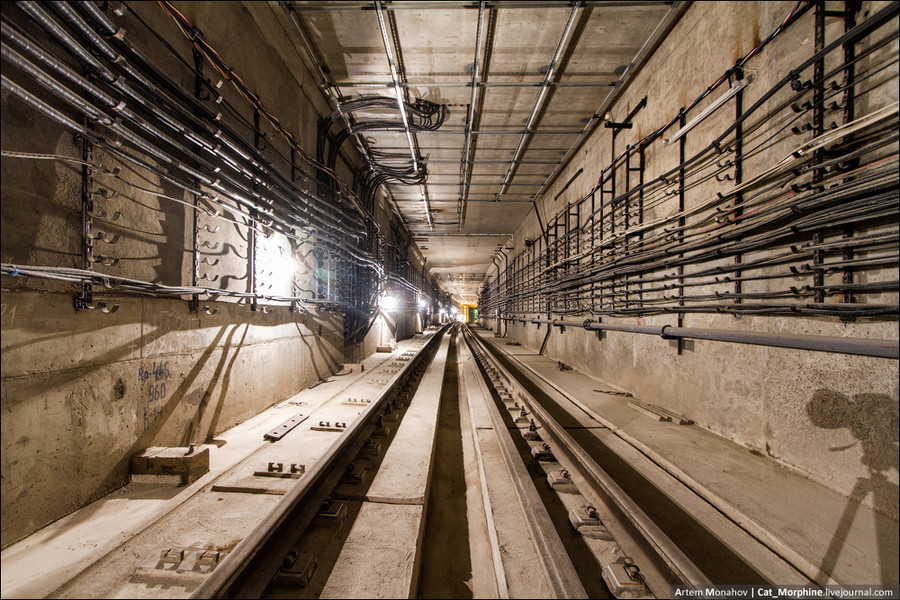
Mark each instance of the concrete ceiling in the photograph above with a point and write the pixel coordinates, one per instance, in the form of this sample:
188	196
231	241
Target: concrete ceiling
434	47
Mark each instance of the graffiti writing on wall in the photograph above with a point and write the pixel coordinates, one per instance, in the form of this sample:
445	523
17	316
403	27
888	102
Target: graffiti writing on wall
7	314
174	335
152	382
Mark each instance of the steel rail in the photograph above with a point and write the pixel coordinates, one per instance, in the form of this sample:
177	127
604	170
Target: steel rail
241	573
667	558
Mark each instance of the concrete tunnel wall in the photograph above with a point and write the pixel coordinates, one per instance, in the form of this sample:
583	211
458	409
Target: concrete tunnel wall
758	396
82	391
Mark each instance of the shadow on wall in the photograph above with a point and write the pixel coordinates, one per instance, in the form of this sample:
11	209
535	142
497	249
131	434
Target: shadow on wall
873	420
117	469
191	435
332	364
145	439
33	189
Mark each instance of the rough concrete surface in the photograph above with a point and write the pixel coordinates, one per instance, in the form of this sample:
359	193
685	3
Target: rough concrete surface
378	559
771	400
84	390
405	473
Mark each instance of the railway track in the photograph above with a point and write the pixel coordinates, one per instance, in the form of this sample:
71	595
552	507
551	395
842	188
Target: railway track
647	530
272	553
550	503
229	534
620	536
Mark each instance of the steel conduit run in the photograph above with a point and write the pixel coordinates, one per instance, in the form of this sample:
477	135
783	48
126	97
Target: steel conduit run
841	345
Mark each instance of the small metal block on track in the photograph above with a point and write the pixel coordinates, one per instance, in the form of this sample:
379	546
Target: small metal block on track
170	558
586	522
560	481
298	569
354	474
624	580
178	566
333	510
357	401
542	452
207	560
280	431
277	469
337	426
370	447
531	433
381	429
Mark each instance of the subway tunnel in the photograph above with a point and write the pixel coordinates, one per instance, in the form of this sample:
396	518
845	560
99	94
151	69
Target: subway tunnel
460	299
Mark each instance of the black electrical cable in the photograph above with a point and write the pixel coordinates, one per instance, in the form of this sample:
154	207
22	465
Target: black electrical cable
103	97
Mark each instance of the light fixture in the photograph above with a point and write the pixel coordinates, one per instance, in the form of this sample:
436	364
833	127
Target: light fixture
387	303
275	266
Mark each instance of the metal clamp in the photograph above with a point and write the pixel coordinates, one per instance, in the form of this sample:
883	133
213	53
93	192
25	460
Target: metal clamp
666	336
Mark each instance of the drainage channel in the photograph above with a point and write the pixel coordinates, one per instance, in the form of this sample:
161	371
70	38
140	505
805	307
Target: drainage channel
446	555
644	541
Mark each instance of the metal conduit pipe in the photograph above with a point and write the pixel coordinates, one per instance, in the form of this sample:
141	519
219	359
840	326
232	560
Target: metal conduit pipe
539	101
291	216
840	345
105	49
395	77
264	178
466	166
871	24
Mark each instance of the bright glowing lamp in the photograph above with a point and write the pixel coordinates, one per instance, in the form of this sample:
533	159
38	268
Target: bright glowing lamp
387	303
